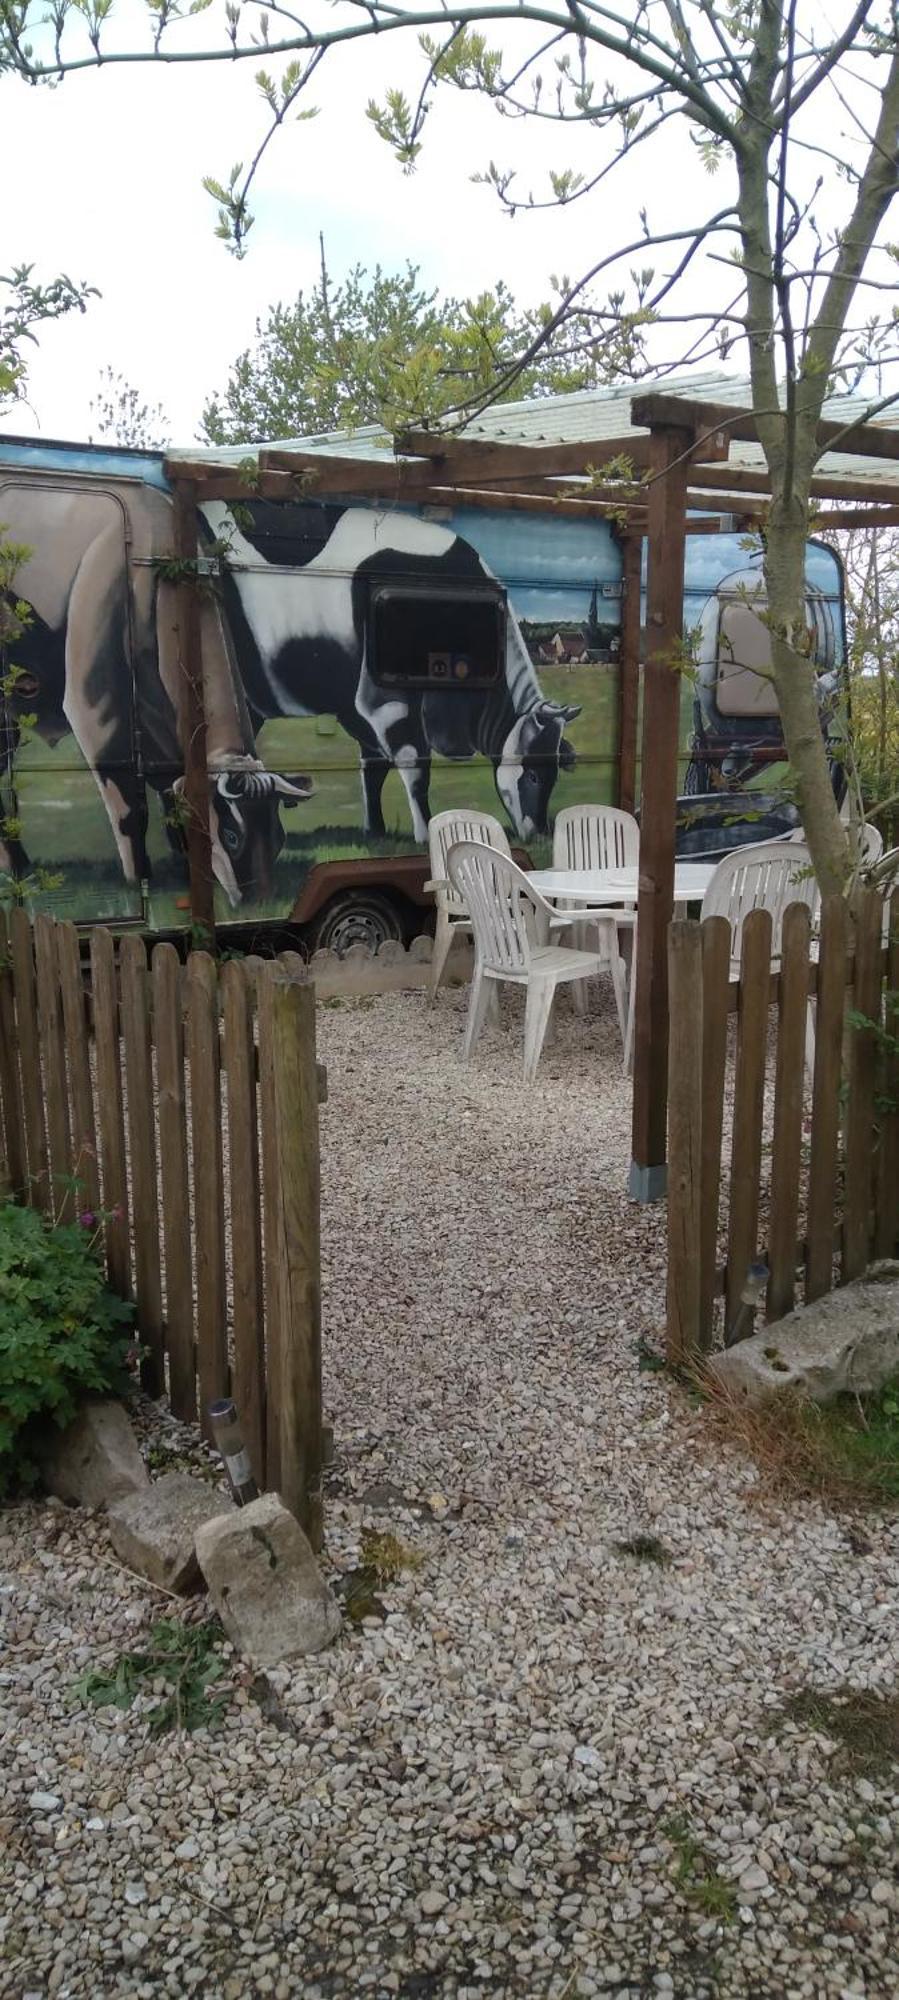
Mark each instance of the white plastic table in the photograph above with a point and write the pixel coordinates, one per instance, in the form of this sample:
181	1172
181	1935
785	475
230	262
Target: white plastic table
615	887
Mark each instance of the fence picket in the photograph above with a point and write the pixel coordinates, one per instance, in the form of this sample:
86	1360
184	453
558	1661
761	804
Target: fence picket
886	1233
168	1039
298	1412
271	1217
684	1142
749	1087
789	1093
28	1032
10	1084
209	1220
715	985
248	1309
825	1142
83	1127
110	1114
53	1051
863	1065
142	1150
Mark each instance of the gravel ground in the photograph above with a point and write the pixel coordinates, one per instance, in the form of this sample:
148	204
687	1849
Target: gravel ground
553	1769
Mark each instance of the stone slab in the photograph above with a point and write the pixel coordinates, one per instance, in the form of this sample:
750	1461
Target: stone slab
264	1582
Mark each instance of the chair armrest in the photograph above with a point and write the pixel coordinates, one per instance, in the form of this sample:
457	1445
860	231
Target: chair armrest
439	883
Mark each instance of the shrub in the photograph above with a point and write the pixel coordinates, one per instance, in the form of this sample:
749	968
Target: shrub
63	1334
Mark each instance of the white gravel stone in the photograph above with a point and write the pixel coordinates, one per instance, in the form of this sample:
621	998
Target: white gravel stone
485	1285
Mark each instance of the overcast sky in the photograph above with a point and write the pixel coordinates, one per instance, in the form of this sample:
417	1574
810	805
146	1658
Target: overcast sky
103	180
112	193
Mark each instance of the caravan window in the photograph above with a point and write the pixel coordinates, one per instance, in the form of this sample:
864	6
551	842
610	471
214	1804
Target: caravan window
744	657
424	638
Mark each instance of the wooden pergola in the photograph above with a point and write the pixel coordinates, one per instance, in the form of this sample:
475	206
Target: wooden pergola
672	474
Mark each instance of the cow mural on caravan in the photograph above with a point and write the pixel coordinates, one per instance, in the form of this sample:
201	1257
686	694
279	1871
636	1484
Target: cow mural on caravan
363	667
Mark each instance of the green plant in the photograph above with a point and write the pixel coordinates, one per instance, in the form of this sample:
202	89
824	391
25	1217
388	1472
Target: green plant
646	1548
63	1334
863	1722
183	1660
845	1453
696	1875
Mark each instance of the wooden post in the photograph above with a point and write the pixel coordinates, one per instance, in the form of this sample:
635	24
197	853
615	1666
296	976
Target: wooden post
171	1097
658	791
749	1104
53	1051
142	1150
204	1050
298	1415
789	1091
715	997
83	1127
248	1307
685	1191
192	712
28	1031
10	1087
825	1146
863	1066
886	1200
629	671
110	1114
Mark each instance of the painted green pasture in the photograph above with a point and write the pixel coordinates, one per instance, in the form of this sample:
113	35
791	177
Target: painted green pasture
65	827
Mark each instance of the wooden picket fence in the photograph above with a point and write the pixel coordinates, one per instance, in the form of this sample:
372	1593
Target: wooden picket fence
179	1105
760	1168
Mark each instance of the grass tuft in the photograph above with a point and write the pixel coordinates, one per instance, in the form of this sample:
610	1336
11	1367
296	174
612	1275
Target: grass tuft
646	1548
696	1875
861	1721
180	1663
844	1453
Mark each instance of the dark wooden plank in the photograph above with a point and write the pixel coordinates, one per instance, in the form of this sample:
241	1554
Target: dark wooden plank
886	1198
135	1004
715	989
863	1064
21	939
661	733
209	1199
171	1093
53	1061
14	1148
789	1094
248	1301
265	976
685	1192
749	1090
825	1136
299	1410
84	1133
110	1114
192	710
629	673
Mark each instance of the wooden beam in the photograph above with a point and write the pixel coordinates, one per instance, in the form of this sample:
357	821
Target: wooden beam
533	503
629	672
861	440
748	479
661	731
192	710
858	517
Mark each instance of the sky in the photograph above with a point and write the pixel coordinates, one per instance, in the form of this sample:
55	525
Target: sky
113	195
104	182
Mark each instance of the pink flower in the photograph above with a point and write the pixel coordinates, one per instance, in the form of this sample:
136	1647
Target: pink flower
88	1219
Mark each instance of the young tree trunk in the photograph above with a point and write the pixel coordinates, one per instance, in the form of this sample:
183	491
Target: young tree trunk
794	682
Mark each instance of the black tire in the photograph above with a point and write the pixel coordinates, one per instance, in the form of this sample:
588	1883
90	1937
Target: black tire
357	916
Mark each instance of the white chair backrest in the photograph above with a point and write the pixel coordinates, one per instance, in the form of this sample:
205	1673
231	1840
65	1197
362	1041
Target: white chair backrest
766	877
595	837
870	844
499	901
445	830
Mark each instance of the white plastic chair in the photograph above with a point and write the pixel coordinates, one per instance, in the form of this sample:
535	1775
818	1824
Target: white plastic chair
506	915
769	876
445	830
870	845
765	877
598	837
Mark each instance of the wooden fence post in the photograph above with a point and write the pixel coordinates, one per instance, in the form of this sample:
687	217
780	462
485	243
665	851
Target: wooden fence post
84	1133
298	1414
715	999
53	1049
171	1094
27	1029
685	1192
142	1150
749	1089
886	1229
248	1306
10	1087
110	1113
863	1066
825	1150
789	1097
209	1204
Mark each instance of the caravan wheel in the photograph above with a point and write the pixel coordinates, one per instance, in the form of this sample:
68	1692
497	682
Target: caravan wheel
359	916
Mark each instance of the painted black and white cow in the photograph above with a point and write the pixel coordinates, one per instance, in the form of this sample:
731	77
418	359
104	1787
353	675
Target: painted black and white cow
299	628
104	663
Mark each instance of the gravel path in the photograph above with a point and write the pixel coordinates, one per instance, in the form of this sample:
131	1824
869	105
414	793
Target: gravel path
554	1769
